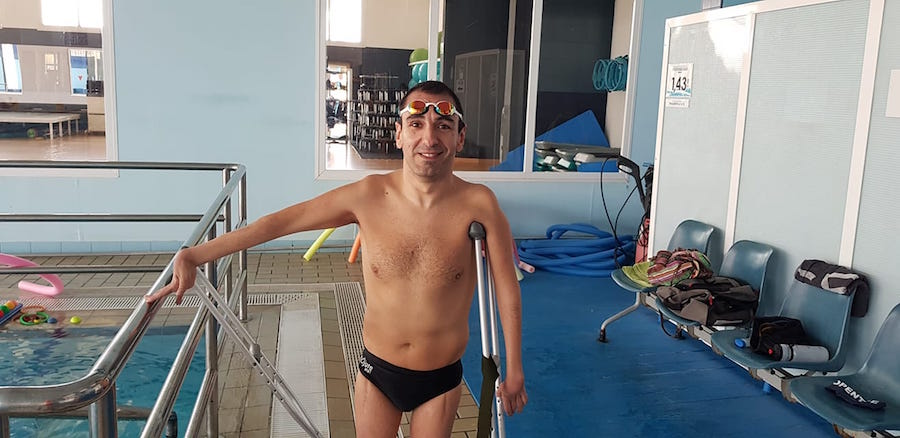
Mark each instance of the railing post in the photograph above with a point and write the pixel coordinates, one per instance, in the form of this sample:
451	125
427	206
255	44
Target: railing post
212	355
242	207
229	279
103	417
4	426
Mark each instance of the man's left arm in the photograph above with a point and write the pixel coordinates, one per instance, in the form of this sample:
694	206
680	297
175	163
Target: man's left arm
509	302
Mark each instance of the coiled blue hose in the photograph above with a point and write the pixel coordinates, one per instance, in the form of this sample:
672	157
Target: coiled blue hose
611	74
582	257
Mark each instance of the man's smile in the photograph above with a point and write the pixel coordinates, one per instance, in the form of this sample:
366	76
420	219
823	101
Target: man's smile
430	155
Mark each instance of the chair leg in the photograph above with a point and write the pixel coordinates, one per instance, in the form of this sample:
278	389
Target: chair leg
678	328
627	310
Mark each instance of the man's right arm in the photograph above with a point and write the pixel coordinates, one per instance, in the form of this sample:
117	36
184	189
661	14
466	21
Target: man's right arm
329	210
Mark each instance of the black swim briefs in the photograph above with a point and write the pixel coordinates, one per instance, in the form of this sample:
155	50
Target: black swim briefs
408	389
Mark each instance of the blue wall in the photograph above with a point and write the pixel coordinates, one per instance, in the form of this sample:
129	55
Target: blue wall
653	26
226	81
727	3
646	102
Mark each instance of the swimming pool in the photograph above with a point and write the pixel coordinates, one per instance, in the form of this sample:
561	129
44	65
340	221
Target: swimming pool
46	357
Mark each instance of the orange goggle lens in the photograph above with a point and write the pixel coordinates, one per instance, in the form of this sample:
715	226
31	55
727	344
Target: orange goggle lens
443	108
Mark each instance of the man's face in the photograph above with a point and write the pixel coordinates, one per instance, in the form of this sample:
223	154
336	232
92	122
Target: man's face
429	140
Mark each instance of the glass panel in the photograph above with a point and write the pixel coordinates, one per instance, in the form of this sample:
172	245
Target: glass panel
364	81
90	14
492	95
11	72
345	21
84	66
59	13
471	59
570	122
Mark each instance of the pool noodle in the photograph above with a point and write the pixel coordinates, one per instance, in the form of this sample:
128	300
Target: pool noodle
526	267
354	251
520	264
11	314
56	287
318	243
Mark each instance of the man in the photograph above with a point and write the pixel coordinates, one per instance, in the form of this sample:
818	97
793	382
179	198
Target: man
419	270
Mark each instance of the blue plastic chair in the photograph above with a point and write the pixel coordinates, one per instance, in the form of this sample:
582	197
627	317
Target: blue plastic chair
689	234
825	316
745	260
878	379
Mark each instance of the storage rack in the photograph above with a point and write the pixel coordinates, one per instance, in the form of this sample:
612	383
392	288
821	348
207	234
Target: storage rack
373	114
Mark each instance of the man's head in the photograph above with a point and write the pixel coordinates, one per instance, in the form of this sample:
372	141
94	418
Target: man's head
436	88
430	130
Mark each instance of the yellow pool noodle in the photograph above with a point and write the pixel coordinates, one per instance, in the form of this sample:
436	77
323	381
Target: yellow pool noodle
318	243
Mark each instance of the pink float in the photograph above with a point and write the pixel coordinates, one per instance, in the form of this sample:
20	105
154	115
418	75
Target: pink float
12	261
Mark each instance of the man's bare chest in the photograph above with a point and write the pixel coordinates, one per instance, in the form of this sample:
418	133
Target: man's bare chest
410	256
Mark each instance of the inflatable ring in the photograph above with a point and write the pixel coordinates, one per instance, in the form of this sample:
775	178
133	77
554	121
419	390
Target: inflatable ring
33	309
56	284
34	318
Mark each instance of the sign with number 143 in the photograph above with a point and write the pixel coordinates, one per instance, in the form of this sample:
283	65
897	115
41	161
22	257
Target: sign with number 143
678	80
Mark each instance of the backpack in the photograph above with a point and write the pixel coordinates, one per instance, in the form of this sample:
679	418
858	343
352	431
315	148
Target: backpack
712	301
769	334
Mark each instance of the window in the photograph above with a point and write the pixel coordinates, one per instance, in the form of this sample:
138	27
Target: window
85	65
51	63
10	72
56	56
72	13
526	95
345	21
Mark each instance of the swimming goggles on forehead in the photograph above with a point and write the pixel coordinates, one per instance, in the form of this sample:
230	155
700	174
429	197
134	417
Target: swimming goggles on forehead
443	108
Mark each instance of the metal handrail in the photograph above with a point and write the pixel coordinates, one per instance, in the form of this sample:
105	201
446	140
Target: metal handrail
94	388
100	217
118	165
80	269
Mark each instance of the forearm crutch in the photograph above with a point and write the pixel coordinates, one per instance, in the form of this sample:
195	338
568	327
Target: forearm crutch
490	409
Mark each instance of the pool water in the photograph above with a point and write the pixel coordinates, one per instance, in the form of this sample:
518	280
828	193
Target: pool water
53	357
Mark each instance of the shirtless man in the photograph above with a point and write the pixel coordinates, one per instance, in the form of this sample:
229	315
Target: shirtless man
419	271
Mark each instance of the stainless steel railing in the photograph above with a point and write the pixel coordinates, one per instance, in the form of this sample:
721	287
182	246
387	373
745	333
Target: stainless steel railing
96	390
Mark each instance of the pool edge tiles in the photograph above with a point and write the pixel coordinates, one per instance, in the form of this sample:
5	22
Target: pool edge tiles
300	361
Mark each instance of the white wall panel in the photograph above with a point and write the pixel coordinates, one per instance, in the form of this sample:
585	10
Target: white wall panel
694	160
801	115
878	226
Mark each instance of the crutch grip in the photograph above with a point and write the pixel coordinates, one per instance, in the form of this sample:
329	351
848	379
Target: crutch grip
476	231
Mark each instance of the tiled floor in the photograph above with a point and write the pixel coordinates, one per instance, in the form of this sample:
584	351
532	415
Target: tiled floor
245	400
69	147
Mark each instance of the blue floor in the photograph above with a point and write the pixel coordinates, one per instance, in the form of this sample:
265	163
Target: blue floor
640	383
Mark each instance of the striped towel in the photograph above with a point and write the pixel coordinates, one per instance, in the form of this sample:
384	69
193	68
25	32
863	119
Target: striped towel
671	267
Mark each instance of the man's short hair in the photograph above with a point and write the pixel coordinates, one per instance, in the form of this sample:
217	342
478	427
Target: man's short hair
436	87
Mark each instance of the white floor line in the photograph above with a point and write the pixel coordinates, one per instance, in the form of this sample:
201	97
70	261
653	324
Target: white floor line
301	363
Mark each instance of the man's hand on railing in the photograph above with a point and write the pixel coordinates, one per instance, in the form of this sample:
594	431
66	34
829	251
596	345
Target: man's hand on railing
183	276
